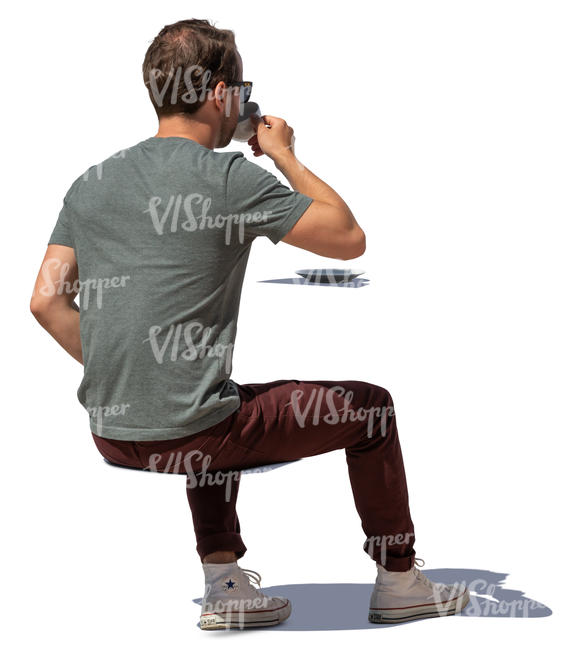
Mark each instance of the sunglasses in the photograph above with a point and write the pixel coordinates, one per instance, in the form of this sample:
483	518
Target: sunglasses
245	89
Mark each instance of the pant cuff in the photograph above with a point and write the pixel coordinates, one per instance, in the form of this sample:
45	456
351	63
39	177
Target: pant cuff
398	563
390	562
221	542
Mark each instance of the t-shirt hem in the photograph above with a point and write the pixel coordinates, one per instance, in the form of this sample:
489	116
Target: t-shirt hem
59	241
286	226
170	433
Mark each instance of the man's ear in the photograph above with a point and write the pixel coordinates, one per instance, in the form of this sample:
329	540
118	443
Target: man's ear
224	98
220	92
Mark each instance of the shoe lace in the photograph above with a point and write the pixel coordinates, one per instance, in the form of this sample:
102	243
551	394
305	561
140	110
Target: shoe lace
419	574
423	578
252	577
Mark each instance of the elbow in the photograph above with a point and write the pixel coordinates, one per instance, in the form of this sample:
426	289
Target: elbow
35	309
361	244
38	308
355	246
47	309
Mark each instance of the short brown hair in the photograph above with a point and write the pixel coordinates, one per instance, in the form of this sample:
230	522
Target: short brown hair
185	61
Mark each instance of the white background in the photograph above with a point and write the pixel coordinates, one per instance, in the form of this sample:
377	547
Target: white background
438	123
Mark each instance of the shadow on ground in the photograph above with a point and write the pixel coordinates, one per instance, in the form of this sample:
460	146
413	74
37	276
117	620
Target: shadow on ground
344	606
352	284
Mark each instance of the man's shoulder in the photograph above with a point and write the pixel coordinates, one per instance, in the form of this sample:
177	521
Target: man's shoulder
239	166
108	173
97	171
227	158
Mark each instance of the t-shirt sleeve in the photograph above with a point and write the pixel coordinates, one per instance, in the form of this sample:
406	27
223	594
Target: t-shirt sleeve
62	232
264	204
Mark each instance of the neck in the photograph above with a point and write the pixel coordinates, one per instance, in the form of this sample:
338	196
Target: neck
181	127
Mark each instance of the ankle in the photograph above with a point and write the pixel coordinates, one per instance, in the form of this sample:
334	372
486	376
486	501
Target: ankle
220	557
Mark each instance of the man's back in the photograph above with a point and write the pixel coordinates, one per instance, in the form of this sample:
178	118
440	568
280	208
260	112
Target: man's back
162	233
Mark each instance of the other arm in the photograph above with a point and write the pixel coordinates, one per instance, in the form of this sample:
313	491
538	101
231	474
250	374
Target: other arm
52	302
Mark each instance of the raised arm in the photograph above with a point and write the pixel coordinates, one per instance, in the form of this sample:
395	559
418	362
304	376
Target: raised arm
328	226
52	302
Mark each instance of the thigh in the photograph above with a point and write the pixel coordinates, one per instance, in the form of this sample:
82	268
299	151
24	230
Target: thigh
289	419
276	421
155	455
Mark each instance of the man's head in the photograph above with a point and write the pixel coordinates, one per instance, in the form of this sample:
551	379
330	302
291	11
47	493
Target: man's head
188	69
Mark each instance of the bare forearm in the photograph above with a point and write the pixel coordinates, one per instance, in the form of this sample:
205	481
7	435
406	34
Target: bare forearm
303	180
63	324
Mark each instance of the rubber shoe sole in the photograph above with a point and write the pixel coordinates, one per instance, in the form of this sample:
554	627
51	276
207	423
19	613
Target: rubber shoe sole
232	619
416	612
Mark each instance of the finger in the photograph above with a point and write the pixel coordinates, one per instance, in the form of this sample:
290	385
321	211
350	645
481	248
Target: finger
271	120
257	122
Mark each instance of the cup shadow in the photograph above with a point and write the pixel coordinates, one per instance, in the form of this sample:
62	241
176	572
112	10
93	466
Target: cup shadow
344	606
351	284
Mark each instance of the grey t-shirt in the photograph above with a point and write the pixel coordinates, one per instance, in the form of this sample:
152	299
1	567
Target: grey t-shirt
162	233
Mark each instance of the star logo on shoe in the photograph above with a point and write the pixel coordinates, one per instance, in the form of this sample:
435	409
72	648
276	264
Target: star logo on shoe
230	585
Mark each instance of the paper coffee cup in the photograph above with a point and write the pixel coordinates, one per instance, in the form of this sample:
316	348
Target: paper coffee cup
245	128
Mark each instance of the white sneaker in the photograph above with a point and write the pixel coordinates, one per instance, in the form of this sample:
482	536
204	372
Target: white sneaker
231	601
400	596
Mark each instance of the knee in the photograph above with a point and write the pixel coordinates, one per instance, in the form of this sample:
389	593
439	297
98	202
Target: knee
366	394
379	396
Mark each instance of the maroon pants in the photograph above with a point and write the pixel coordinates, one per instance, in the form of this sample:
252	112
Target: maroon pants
287	420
